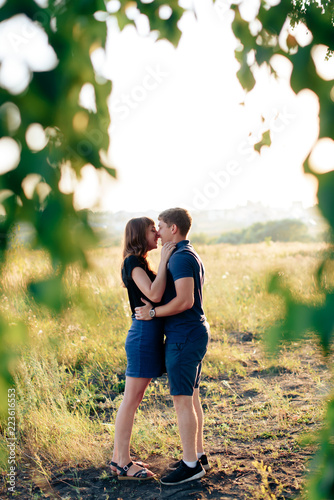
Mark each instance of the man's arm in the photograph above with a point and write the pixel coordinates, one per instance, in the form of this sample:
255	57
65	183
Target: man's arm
184	300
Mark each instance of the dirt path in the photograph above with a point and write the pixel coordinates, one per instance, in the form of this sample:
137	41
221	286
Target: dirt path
253	443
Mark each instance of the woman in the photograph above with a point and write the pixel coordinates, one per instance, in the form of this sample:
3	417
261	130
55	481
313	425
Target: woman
144	342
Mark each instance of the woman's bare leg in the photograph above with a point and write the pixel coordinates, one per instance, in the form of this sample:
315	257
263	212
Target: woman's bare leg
133	395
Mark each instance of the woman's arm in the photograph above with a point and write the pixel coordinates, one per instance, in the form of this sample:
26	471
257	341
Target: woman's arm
154	290
184	300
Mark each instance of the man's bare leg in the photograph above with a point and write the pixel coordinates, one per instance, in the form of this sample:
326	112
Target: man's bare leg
200	421
190	468
187	423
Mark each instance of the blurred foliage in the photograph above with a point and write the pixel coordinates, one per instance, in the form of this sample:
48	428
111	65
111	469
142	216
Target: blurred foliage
74	135
10	334
270	38
77	136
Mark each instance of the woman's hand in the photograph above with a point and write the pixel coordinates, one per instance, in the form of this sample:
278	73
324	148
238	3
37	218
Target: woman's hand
143	313
167	251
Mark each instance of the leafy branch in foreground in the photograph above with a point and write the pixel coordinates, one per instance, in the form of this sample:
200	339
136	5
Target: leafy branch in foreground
53	131
271	38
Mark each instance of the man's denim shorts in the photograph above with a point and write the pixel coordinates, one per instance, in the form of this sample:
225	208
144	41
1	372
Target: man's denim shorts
184	363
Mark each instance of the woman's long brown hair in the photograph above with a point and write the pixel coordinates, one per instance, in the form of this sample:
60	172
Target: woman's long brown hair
135	241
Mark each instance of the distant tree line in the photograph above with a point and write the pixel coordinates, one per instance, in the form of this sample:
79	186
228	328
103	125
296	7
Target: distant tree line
284	230
278	230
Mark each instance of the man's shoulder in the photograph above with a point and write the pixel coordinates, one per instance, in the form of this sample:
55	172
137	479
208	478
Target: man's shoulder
186	258
182	253
184	250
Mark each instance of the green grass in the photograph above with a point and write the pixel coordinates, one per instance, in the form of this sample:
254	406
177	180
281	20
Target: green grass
70	381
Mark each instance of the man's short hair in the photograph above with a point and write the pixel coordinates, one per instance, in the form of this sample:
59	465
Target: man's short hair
178	216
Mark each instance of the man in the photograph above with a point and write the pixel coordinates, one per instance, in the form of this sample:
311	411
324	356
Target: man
187	336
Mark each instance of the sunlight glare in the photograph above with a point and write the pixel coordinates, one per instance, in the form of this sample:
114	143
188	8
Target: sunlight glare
322	156
42	3
249	10
14	76
4	194
43	190
324	67
131	11
86	193
10	114
113	6
303	36
165	12
24	48
9	154
87	97
68	179
143	25
35	137
29	184
282	65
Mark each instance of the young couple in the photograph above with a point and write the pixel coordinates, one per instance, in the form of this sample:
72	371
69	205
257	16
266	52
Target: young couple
174	308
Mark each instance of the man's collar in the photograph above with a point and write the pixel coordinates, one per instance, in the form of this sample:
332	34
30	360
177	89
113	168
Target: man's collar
181	244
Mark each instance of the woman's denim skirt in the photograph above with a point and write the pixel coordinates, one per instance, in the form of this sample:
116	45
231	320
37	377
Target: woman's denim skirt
144	348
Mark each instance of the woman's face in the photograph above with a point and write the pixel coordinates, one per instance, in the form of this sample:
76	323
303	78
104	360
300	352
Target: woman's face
151	237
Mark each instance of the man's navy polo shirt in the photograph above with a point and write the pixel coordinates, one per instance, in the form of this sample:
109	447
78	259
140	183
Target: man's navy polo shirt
185	263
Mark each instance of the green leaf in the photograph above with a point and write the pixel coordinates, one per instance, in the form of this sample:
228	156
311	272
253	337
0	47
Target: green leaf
49	292
12	336
111	171
326	196
323	322
245	77
265	141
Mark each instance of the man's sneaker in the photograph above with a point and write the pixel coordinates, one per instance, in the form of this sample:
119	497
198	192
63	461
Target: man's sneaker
183	474
203	459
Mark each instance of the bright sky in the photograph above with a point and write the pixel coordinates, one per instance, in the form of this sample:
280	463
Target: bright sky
179	135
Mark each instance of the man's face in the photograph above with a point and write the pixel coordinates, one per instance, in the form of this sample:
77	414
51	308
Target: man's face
164	232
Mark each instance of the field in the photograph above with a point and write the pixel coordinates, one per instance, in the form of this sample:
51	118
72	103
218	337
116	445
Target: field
260	411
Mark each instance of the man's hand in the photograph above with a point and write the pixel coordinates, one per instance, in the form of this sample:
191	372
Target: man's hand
143	312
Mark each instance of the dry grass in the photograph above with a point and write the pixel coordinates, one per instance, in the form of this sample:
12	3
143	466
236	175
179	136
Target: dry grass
69	382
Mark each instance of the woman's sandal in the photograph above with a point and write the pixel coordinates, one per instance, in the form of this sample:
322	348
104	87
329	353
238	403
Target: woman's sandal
114	464
140	475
